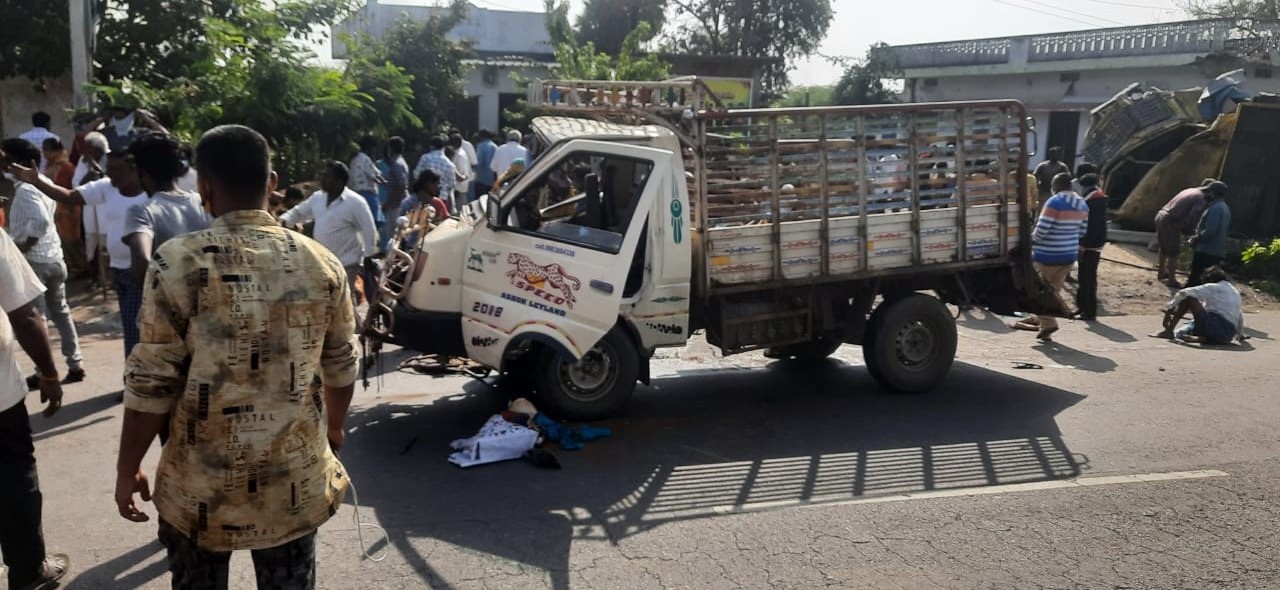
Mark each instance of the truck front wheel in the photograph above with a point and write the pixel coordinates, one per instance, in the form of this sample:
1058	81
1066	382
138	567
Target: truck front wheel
911	343
596	386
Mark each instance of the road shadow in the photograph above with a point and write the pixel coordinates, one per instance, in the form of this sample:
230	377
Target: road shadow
1258	334
64	420
123	572
1071	357
694	446
1112	334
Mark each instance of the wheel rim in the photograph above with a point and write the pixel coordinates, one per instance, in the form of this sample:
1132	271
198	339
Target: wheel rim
916	344
591	377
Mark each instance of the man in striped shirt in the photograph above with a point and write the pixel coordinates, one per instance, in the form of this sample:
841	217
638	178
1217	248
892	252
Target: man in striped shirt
32	227
1055	243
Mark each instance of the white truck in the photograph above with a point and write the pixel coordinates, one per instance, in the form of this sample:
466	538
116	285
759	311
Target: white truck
647	214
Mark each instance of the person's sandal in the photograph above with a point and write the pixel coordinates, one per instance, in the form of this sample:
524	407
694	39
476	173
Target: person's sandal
54	567
1046	332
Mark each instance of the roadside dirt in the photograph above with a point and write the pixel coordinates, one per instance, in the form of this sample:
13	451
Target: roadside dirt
1127	284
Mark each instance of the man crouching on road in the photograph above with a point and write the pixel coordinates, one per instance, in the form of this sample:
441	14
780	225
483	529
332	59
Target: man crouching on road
1215	306
237	321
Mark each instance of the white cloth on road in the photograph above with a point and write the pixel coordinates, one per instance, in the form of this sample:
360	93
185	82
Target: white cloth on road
498	440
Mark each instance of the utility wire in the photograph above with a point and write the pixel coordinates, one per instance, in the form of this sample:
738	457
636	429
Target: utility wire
1125	4
1042	13
1048	6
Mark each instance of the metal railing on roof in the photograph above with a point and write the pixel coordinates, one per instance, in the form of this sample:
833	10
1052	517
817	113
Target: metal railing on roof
1240	36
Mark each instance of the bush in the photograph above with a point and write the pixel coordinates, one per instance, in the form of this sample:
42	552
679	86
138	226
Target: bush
1260	265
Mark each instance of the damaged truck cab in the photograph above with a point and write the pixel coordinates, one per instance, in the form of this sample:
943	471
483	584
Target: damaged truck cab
789	230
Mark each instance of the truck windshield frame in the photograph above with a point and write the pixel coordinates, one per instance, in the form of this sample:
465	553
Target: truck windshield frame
618	181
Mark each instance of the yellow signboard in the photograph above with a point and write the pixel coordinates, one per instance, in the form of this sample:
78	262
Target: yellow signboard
735	93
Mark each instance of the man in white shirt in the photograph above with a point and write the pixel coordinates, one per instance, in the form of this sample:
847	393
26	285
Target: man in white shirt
365	177
32	227
1216	307
343	221
114	195
465	165
21	325
39	132
90	168
508	152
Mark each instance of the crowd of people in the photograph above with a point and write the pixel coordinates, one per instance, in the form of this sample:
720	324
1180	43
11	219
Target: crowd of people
226	285
1071	231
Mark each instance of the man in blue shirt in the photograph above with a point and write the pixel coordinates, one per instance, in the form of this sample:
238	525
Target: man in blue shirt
485	176
1210	242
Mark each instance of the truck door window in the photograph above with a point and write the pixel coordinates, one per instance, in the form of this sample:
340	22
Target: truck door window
585	198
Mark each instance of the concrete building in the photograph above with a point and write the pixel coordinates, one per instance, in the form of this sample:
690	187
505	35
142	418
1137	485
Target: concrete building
504	41
1062	76
21	96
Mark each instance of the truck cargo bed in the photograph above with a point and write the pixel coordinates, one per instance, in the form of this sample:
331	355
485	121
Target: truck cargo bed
845	192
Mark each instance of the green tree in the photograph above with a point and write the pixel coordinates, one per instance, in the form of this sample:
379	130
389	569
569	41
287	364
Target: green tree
1255	9
254	70
778	30
864	81
36	43
584	61
154	41
806	96
606	23
424	51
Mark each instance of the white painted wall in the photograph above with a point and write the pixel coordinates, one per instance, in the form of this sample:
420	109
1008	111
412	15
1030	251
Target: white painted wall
502	84
19	98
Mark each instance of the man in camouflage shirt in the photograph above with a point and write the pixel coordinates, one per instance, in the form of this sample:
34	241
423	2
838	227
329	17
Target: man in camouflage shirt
237	322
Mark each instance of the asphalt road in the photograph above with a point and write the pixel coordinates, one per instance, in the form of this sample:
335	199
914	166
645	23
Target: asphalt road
1121	462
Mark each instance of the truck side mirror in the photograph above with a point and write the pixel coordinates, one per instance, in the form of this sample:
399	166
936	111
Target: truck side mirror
493	211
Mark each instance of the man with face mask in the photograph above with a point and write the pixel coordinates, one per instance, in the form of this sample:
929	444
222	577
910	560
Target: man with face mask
117	192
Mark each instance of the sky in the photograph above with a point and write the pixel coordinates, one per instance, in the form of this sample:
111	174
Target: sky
857	24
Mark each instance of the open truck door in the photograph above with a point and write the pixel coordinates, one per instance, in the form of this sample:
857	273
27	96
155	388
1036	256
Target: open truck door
550	267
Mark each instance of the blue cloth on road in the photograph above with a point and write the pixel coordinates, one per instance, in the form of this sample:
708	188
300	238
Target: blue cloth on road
570	438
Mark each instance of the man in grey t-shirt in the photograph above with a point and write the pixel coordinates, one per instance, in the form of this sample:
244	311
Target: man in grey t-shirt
169	212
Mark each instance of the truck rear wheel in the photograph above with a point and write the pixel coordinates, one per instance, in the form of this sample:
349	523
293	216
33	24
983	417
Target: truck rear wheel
910	344
596	386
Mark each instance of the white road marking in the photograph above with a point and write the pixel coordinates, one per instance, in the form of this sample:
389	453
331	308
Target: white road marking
1079	482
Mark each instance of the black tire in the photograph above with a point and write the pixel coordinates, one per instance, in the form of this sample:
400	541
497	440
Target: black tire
910	343
598	386
805	352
